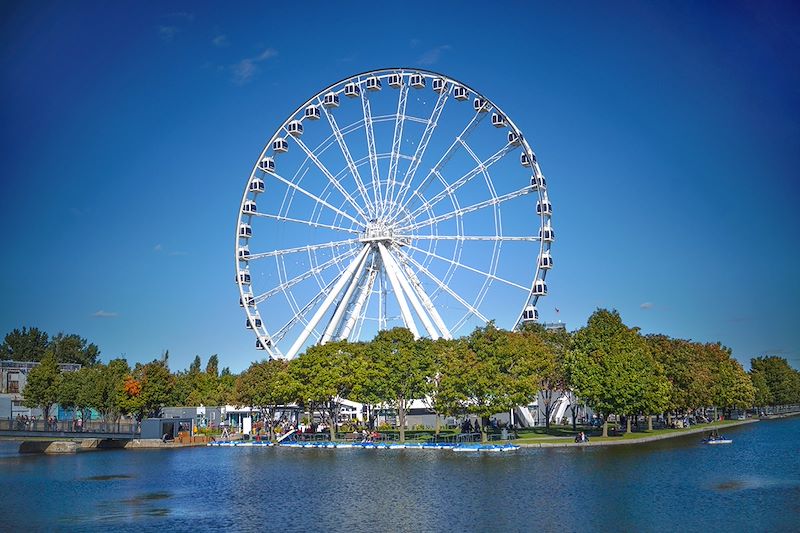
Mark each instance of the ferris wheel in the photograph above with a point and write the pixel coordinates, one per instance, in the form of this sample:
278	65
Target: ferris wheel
396	197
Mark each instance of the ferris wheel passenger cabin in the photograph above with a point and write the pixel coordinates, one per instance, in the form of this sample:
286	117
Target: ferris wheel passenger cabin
547	234
331	100
546	261
249	207
373	84
312	112
256	185
295	128
395	81
481	105
417	81
244	253
530	315
351	90
539	288
280	145
244	277
498	121
514	139
245	231
544	207
461	93
254	322
439	85
267	164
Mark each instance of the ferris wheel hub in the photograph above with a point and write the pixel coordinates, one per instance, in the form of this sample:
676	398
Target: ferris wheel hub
378	231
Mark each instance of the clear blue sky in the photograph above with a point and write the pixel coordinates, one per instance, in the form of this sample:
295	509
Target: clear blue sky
669	133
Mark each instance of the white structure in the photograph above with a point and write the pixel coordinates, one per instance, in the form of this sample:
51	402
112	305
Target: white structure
420	205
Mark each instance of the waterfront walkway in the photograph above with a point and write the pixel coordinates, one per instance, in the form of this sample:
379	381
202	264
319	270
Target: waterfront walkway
656	435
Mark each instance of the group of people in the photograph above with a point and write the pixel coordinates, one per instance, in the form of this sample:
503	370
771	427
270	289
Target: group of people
581	437
29	423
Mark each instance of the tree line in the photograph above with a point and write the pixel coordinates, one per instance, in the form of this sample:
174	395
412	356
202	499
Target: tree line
606	365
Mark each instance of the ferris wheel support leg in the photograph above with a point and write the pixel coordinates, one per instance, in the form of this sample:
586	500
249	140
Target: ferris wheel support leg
360	300
412	297
337	288
398	290
344	302
427	303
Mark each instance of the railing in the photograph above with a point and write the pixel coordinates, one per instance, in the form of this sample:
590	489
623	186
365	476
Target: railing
68	426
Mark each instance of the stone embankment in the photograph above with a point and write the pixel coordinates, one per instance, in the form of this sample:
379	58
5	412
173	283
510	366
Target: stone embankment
639	440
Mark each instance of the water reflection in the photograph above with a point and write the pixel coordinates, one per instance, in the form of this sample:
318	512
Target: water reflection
664	486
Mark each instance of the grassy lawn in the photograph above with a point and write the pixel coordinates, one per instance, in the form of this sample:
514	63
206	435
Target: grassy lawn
540	435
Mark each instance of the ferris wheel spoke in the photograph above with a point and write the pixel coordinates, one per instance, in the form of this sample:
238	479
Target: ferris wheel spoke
337	133
411	293
443	286
298	249
363	298
311	223
404	199
418	237
299	316
482	166
335	322
398	291
314	197
373	160
397	138
470	208
323	308
458	264
289	283
426	300
327	173
430	127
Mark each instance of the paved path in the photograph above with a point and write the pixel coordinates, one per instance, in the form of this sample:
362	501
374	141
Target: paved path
639	440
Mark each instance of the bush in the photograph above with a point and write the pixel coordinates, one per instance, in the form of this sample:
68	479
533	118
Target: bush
385	427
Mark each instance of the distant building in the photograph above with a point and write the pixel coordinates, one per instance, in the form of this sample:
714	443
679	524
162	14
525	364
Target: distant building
14	375
555	326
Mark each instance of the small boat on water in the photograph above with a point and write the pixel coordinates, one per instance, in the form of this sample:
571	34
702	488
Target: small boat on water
716	438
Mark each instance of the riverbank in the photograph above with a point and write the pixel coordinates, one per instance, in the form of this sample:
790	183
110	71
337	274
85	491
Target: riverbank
635	438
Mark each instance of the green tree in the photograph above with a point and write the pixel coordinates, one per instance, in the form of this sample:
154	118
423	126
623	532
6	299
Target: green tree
327	373
106	393
612	369
265	386
550	368
763	396
733	388
156	387
401	370
194	368
26	345
782	380
42	387
212	367
73	348
75	391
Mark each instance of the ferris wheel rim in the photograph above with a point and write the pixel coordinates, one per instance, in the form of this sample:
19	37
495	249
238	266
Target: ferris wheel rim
544	247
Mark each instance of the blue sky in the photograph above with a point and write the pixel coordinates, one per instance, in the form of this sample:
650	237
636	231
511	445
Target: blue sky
669	133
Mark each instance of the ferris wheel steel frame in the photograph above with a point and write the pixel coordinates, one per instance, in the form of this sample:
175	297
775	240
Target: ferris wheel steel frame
385	219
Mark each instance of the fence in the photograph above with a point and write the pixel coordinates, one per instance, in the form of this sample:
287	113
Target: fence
68	426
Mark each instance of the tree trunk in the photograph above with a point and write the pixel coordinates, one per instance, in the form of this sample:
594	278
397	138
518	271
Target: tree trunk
482	429
334	412
401	418
627	424
438	425
605	426
649	422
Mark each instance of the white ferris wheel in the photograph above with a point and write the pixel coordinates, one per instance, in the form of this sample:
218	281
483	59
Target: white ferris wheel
396	197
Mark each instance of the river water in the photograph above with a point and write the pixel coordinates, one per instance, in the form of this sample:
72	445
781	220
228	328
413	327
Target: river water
671	485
